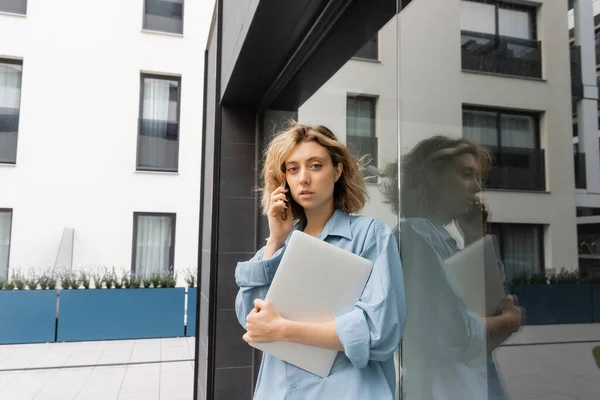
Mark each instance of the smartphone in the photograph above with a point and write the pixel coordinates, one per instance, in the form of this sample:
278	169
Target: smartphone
288	196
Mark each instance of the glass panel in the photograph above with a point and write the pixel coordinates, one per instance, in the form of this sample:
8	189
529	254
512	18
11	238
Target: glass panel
481	127
10	98
520	249
370	51
515	23
153	245
13	6
518	131
5	233
477	17
159	125
164	15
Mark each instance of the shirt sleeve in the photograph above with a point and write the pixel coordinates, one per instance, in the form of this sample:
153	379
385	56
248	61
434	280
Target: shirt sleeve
440	322
373	329
253	278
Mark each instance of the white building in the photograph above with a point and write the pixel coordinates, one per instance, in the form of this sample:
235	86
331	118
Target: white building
100	134
496	72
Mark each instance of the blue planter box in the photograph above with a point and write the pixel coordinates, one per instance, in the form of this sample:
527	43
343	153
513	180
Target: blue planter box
191	312
596	303
556	303
109	314
27	316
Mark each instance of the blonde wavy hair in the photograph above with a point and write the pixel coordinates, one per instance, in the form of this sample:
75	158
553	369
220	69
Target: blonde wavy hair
349	192
433	154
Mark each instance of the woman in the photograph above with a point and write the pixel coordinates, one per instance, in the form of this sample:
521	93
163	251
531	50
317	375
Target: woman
444	348
310	177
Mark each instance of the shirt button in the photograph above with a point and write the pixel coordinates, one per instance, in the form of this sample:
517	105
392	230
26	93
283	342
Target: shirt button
294	386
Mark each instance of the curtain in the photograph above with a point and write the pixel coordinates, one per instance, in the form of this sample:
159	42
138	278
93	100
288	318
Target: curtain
10	97
360	116
520	245
481	127
518	131
477	17
5	227
515	23
159	125
153	245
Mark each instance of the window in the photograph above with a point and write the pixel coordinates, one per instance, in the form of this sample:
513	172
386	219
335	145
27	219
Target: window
500	37
163	15
158	139
370	51
521	248
153	243
513	139
5	232
10	99
14	6
360	127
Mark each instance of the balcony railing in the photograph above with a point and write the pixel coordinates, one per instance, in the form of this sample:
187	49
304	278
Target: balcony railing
501	54
576	79
518	169
580	179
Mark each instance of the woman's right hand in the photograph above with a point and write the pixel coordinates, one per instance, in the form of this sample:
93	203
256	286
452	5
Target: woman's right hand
279	229
511	314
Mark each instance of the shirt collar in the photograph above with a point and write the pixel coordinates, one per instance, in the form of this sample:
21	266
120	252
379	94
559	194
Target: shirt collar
444	232
337	225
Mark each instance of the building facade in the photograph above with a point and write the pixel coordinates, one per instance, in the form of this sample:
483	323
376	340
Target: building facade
100	135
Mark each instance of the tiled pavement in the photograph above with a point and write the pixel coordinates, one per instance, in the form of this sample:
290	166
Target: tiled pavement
540	363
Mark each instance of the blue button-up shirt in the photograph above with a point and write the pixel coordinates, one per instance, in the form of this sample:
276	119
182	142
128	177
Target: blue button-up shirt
444	350
370	333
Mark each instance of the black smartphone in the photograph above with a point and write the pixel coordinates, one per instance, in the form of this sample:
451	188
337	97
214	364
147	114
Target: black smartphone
287	203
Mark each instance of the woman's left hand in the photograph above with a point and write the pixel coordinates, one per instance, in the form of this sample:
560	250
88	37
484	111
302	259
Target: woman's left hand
264	323
474	223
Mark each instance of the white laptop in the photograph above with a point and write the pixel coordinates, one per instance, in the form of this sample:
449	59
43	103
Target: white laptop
476	271
315	282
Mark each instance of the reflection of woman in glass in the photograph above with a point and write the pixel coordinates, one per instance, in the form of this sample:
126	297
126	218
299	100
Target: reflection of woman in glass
444	349
309	176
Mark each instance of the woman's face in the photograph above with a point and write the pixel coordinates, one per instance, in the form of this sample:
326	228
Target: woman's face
311	176
458	184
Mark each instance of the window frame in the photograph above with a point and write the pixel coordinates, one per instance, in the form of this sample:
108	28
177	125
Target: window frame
507	5
16	13
507	111
14	61
501	226
373	111
137	214
163	32
12	214
376	59
178	79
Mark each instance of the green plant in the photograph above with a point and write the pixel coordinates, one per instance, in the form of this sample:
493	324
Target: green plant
52	282
109	279
98	280
32	280
84	279
538	278
9	285
191	277
19	280
117	282
1	283
126	281
134	282
168	281
156	280
566	276
65	280
44	281
147	281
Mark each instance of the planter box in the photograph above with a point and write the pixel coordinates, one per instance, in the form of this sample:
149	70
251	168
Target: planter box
27	316
596	303
109	314
191	312
556	303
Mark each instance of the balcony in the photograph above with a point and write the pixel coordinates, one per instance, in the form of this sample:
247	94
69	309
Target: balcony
576	79
517	169
580	179
501	54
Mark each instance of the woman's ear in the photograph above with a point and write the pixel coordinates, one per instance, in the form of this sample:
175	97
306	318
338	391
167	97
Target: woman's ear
338	172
